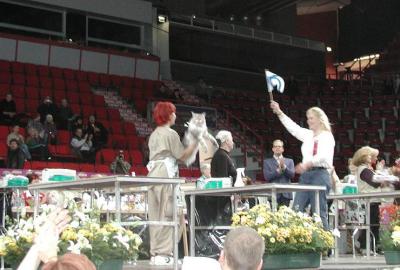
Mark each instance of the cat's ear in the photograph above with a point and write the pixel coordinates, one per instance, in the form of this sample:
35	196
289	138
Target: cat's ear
193	114
204	114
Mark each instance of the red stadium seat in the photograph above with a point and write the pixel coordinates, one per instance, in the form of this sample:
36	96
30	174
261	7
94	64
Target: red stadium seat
119	141
59	84
32	81
139	170
105	80
17	67
5	66
98	101
55	165
46	82
93	78
44	71
81	76
127	82
46	92
101	168
108	155
56	72
32	93
72	85
101	114
31	106
69	74
87	100
63	137
5	77
73	97
86	167
71	166
59	95
18	91
38	165
84	87
116	80
113	115
116	128
3	150
136	157
129	128
19	78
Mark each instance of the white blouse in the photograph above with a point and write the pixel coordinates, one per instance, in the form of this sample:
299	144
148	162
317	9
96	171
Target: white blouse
322	155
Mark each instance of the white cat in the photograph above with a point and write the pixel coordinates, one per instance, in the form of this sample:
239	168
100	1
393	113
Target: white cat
197	131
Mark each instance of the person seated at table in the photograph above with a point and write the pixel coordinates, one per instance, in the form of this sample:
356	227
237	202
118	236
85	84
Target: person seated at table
15	156
205	169
365	159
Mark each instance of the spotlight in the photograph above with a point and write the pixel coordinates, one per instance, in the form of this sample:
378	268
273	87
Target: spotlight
193	16
162	18
258	18
245	18
232	18
328	49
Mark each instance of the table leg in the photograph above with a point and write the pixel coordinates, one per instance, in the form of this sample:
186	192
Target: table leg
336	226
317	208
176	222
117	202
4	210
192	224
368	221
274	200
37	202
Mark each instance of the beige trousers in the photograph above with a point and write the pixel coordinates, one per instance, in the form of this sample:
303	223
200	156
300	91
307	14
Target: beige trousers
160	209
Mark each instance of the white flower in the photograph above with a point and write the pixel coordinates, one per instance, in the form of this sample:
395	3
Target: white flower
74	224
396	238
260	220
123	240
74	248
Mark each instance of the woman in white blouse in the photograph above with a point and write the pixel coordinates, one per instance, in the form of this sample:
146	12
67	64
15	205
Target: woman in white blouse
317	149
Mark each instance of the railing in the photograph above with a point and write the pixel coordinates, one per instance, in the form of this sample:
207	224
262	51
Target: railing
257	147
209	24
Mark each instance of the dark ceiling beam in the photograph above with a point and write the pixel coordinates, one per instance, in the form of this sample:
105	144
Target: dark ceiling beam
270	6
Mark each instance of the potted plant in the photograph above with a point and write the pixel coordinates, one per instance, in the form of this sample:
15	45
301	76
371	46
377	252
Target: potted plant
107	245
390	234
292	239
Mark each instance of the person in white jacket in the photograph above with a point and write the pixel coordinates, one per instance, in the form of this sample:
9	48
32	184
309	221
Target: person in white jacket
317	149
82	146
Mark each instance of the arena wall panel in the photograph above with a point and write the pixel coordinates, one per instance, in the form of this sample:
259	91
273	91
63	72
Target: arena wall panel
122	66
64	57
34	53
7	49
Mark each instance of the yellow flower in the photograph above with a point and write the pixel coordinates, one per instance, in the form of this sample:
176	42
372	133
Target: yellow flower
272	240
86	233
69	234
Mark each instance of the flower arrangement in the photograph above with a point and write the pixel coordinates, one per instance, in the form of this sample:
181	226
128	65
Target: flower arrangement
390	233
286	231
83	235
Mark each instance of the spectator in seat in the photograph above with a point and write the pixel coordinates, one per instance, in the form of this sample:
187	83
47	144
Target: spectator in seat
243	249
82	146
20	139
8	110
47	107
36	145
64	115
98	132
50	130
77	123
15	156
119	165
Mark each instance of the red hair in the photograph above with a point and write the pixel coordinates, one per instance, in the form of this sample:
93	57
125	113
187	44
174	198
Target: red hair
162	112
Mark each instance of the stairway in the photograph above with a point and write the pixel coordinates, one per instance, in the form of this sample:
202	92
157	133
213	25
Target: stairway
114	100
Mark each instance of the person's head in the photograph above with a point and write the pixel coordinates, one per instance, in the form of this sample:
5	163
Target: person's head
15	129
277	147
243	250
226	140
70	261
47	100
64	102
164	113
79	120
205	169
9	97
317	120
33	132
365	155
121	154
13	144
49	118
92	119
78	132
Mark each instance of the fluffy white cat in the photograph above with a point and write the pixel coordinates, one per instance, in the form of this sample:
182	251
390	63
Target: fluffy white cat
197	131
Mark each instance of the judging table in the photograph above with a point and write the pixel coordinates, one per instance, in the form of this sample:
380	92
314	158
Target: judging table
367	197
118	183
261	190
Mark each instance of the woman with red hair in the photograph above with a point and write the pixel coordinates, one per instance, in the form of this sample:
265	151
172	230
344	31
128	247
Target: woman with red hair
166	150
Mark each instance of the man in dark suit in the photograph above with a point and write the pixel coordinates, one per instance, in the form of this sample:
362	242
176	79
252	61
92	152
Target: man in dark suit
279	169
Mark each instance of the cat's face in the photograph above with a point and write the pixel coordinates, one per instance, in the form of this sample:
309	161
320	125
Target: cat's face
198	119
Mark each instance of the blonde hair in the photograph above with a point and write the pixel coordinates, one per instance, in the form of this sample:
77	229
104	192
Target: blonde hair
361	155
322	117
